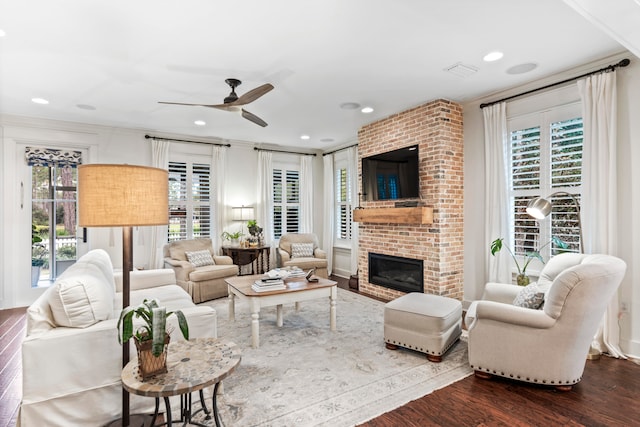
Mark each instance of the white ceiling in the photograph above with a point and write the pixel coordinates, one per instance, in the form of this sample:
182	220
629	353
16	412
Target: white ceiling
122	57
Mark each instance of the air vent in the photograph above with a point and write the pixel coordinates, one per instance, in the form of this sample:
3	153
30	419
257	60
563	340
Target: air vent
461	70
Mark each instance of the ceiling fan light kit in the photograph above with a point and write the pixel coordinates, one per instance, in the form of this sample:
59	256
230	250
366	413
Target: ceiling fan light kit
234	103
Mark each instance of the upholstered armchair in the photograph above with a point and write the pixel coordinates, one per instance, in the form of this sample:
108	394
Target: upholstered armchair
301	250
548	345
198	270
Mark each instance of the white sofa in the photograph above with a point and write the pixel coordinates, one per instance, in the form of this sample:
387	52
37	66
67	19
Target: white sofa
71	358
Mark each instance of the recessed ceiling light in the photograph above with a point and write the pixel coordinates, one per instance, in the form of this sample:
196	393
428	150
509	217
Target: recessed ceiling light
305	137
200	122
39	101
493	56
349	105
85	107
2	33
522	68
367	110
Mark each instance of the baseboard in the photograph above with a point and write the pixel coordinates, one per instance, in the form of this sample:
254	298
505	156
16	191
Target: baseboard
345	274
631	348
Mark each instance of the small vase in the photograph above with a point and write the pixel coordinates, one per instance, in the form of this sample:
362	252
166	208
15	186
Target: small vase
522	280
148	364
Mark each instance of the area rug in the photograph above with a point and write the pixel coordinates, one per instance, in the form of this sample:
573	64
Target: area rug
305	375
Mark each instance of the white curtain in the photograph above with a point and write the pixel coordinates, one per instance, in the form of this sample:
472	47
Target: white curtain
496	143
159	159
328	208
264	208
219	164
306	194
599	201
352	164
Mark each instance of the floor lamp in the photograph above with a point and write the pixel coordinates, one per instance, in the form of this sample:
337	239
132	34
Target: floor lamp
539	208
123	196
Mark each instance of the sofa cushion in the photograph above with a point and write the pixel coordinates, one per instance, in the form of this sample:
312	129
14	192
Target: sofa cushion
531	296
199	258
306	263
82	296
301	250
210	272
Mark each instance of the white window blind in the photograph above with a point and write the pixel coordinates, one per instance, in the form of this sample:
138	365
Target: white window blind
343	203
546	158
190	196
286	202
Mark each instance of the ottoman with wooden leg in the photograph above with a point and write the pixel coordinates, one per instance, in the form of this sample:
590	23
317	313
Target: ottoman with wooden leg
426	323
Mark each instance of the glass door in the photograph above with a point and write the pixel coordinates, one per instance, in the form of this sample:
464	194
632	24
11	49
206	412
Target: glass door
53	218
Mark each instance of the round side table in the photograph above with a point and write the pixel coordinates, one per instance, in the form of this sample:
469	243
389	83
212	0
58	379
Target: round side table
192	365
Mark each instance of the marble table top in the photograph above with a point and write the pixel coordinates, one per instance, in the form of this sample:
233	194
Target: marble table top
192	365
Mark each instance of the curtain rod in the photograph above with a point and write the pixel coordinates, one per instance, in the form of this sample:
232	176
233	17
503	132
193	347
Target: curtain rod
622	63
339	149
186	140
282	151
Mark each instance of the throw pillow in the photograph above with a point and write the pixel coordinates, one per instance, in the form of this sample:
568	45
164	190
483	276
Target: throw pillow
301	250
199	258
81	296
531	296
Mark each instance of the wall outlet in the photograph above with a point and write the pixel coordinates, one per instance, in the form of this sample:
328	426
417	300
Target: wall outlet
624	307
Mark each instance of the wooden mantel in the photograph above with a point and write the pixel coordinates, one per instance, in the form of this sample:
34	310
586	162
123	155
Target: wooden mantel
416	215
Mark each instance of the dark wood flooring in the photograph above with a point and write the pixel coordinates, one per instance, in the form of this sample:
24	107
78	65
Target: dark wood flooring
607	395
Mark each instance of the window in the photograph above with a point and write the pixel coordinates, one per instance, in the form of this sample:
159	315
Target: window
190	196
286	201
343	202
546	157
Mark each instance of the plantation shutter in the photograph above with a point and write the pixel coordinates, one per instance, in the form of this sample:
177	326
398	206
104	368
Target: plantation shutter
190	195
343	205
566	175
546	159
286	202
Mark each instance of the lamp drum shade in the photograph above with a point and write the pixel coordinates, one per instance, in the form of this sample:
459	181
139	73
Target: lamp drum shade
122	195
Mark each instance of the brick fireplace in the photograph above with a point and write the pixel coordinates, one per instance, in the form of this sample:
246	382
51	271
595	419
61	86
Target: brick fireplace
437	129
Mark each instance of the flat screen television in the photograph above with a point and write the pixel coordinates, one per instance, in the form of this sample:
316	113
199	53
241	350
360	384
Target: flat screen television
392	175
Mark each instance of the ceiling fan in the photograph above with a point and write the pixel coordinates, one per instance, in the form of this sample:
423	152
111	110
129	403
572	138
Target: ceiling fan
234	103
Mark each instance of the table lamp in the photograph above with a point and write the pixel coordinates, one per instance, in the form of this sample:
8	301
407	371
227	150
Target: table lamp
111	195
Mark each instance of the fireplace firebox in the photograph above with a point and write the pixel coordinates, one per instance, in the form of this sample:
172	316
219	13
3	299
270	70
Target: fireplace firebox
399	273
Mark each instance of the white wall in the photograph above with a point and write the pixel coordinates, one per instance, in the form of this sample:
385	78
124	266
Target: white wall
104	145
476	249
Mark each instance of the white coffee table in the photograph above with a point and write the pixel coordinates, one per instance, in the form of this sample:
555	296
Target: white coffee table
298	289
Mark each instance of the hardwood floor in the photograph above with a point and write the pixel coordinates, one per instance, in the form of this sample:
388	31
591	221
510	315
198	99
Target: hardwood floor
606	396
12	329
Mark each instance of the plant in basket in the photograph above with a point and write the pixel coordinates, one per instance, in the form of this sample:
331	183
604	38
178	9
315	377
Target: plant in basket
151	337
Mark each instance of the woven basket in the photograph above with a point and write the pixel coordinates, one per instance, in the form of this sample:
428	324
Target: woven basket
148	364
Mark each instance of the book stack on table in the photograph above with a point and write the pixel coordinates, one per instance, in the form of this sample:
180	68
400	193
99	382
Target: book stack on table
264	285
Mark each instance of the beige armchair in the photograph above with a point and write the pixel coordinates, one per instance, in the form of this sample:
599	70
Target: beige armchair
289	255
547	345
202	283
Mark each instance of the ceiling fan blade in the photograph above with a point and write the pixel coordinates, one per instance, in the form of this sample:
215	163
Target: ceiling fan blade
252	117
253	94
219	106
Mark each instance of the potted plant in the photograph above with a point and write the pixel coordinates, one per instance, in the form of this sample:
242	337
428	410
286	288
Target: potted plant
232	237
522	279
38	255
255	231
151	337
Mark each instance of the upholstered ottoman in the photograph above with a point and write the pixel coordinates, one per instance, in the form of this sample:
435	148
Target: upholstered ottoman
427	323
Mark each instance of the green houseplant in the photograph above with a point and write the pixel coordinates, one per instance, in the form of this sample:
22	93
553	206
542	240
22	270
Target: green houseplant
231	236
522	279
151	337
